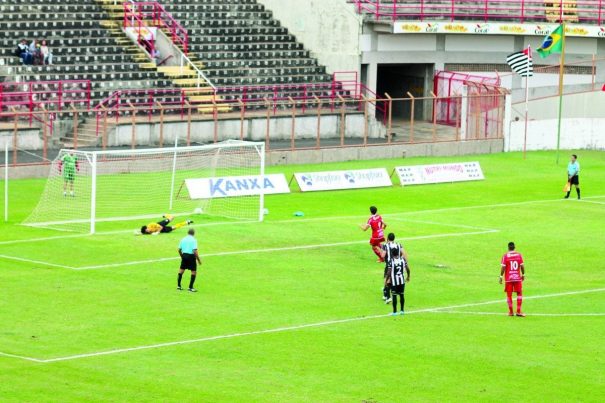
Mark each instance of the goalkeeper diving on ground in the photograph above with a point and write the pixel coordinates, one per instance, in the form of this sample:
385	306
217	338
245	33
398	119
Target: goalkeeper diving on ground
162	226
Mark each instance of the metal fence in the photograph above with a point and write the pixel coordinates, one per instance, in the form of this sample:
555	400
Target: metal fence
538	11
305	124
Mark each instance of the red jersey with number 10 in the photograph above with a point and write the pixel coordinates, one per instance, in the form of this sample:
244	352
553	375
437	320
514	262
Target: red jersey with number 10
375	222
512	262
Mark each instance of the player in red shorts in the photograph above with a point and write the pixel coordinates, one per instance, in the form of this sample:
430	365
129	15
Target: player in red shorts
513	271
378	225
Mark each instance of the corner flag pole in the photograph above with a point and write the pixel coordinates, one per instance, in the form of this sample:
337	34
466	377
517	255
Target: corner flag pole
6	182
526	101
561	74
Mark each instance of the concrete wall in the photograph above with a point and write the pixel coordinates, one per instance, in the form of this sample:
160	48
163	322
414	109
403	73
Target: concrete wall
542	134
254	129
275	158
379	46
385	151
583	125
330	29
28	139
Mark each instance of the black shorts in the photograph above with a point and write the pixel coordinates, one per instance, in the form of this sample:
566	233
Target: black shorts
575	180
165	227
398	289
188	262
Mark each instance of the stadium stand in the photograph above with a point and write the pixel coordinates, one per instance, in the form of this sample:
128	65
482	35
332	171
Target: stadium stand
244	52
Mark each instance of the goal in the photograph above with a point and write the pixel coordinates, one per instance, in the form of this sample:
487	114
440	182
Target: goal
105	187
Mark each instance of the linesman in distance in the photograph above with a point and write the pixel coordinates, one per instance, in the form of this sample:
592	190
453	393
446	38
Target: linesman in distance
396	262
189	259
573	175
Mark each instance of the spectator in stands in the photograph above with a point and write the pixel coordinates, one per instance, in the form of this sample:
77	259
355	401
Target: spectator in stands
46	53
38	57
23	52
32	46
156	56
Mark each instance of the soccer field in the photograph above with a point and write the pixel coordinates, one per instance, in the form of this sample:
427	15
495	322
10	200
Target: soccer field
291	309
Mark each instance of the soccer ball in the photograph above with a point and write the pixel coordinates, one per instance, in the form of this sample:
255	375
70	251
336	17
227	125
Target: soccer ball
197	211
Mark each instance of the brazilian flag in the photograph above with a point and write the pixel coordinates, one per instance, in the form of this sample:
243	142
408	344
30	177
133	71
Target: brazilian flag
553	43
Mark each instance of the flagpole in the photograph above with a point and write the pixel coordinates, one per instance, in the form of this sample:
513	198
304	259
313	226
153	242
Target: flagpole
526	101
561	74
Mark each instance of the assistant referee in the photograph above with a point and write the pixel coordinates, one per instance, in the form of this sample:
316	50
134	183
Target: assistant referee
573	175
189	259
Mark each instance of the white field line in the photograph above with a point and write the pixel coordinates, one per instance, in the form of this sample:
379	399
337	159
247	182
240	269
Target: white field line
592	202
20	259
439	223
288	248
530	314
241	252
286	329
306	219
20	357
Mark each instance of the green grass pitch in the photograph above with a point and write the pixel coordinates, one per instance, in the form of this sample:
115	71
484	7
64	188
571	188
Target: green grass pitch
281	316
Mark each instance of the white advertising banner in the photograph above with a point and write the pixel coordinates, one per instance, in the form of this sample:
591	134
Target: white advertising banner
439	173
338	180
495	28
233	186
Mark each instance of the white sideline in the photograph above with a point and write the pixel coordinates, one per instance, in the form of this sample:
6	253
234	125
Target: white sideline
284	329
310	219
592	202
286	248
531	314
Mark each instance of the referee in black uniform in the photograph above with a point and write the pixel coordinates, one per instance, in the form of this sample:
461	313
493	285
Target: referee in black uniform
189	259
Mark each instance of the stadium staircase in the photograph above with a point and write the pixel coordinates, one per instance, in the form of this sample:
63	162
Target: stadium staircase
237	43
241	44
82	47
196	91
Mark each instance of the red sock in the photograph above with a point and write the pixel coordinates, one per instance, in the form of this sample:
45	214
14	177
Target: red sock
519	302
509	301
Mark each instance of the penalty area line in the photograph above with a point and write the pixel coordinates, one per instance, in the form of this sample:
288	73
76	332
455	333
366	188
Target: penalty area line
443	309
287	248
332	218
38	262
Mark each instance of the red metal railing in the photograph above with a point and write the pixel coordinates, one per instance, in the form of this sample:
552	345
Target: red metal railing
140	14
344	84
447	86
590	12
49	95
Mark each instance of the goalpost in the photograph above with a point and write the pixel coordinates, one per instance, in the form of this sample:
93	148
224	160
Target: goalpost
89	189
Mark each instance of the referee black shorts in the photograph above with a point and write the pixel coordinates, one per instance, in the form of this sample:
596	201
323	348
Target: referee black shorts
575	180
188	262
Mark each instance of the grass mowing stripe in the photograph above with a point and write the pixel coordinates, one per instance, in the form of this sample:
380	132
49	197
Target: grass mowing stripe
310	219
287	248
443	309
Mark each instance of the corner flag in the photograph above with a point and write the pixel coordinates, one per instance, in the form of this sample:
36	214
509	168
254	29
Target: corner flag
553	43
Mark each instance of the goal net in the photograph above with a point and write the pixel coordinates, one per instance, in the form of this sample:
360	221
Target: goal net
88	191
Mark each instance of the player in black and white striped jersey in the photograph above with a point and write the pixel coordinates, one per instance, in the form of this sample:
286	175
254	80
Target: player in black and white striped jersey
396	262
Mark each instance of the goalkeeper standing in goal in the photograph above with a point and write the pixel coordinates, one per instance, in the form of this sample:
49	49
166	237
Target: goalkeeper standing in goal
69	165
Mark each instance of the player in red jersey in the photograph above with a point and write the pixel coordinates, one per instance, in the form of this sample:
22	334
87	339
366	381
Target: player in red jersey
378	225
513	271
